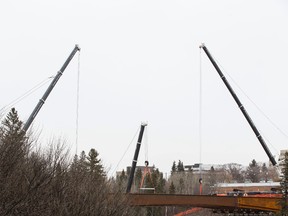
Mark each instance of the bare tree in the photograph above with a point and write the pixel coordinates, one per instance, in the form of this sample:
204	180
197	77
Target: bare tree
236	172
36	181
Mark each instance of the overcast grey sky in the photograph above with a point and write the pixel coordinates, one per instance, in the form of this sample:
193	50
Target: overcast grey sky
139	62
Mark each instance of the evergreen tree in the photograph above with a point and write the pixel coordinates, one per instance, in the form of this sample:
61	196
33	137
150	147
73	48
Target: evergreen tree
180	166
174	168
172	188
13	144
158	181
94	164
82	161
80	164
74	164
264	172
253	171
11	129
123	176
122	181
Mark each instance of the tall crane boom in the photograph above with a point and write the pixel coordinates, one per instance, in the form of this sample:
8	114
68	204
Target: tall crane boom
252	125
50	88
134	162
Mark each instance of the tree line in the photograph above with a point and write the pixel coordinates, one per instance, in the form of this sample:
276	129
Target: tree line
35	181
187	181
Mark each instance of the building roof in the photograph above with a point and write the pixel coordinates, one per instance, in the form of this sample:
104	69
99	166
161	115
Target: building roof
259	184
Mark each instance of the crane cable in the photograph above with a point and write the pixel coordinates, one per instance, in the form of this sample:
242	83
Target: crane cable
26	94
259	109
125	151
146	144
77	105
200	111
146	162
200	121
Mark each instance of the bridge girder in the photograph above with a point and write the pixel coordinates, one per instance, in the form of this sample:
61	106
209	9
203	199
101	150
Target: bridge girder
214	202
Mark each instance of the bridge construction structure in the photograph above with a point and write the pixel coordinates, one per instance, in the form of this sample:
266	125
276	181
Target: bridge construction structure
217	203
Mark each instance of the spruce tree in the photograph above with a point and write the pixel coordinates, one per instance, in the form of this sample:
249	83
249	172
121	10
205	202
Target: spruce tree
180	166
174	168
13	144
82	162
253	171
79	164
11	129
122	181
94	164
172	188
158	182
160	188
264	171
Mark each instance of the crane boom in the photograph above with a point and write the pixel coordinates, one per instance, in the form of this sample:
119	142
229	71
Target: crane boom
50	88
252	125
134	162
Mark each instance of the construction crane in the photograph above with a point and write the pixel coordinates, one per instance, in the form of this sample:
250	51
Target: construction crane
134	162
50	88
252	125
